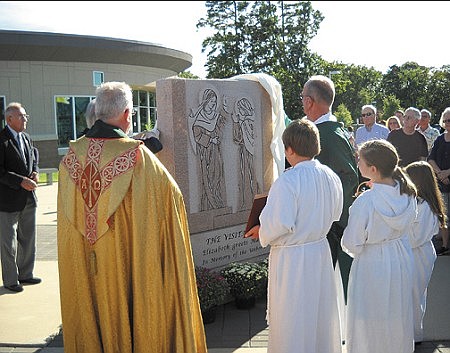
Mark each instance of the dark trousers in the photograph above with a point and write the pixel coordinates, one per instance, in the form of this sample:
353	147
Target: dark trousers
18	243
334	237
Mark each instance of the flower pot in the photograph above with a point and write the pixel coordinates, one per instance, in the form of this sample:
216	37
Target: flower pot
245	303
209	315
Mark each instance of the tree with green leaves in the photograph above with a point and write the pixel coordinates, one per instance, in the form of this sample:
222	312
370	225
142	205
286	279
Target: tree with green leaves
187	74
262	36
273	38
228	44
390	105
355	86
408	83
438	92
343	114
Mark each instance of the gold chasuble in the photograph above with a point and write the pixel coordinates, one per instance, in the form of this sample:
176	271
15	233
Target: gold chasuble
127	280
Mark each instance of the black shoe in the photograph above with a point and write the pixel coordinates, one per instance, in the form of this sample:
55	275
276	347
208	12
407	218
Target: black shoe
15	288
442	251
32	280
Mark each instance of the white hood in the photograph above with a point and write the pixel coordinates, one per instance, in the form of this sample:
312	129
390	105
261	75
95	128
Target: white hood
396	212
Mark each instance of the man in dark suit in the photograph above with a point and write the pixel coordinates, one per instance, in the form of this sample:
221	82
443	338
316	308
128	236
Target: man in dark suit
18	182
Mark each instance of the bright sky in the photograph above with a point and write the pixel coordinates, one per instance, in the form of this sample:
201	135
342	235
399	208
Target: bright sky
370	33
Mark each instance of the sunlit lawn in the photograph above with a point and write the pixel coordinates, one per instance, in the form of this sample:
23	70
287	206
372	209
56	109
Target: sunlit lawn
43	178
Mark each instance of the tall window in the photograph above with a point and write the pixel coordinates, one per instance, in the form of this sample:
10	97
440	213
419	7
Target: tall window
145	104
2	112
70	117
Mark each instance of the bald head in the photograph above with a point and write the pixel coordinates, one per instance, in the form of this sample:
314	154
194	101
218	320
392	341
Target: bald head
318	96
321	89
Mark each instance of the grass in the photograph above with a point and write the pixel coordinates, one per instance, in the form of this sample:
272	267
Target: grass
43	178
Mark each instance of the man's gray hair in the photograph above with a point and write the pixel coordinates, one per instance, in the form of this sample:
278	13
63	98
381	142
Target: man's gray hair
415	111
321	88
371	107
90	114
112	99
13	106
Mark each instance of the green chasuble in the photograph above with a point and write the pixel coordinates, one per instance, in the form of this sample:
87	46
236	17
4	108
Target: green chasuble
337	153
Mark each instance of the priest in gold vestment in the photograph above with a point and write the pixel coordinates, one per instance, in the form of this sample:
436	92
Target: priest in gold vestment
127	280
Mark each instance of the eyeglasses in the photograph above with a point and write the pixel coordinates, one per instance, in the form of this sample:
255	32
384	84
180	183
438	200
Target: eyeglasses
367	114
23	116
446	121
408	117
304	96
133	111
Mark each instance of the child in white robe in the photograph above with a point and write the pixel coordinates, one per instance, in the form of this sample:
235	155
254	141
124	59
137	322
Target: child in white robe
431	216
302	204
379	302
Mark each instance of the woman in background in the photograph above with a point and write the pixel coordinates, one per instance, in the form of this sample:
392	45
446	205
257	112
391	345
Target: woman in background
431	216
439	159
393	123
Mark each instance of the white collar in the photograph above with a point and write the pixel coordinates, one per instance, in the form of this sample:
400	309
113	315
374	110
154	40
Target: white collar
326	117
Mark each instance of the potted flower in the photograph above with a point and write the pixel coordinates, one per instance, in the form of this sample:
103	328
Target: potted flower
212	291
265	266
247	281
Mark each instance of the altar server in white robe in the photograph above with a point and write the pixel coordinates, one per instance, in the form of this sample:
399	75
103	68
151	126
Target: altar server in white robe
302	204
379	302
431	216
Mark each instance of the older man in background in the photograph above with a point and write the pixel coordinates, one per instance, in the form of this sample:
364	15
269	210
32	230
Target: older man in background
410	144
430	133
18	202
371	129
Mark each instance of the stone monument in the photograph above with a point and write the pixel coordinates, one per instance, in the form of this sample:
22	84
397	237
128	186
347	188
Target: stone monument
218	138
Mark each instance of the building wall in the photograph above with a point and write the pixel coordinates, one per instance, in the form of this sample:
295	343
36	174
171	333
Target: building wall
36	83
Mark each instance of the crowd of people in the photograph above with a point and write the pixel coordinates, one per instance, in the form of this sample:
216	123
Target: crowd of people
127	279
415	139
387	231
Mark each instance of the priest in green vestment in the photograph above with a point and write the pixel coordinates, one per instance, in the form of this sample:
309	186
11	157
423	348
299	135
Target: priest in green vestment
337	153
